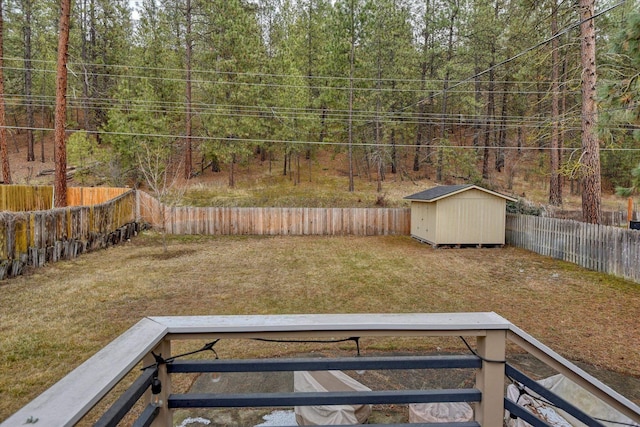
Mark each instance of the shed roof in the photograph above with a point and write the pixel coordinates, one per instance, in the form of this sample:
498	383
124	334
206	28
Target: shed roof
442	191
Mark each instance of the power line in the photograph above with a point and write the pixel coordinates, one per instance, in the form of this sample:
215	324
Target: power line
140	105
328	116
320	143
394	89
524	52
232	73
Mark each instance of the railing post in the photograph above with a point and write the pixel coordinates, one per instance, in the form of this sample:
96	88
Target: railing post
490	379
165	416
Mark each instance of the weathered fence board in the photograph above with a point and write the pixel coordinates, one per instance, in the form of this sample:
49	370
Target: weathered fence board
33	238
282	221
37	237
23	198
607	249
26	198
274	221
87	196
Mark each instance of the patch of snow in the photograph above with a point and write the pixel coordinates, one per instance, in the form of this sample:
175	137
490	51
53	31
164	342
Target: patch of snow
279	418
195	420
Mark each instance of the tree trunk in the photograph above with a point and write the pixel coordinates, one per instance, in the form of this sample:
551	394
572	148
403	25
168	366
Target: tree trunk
26	6
423	77
188	152
590	159
477	89
419	137
232	175
443	131
394	152
555	195
379	151
284	169
97	115
490	115
445	88
378	125
6	171
42	124
85	62
351	75
502	134
61	107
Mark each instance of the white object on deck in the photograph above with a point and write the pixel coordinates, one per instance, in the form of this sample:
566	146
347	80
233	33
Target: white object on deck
318	381
440	412
572	393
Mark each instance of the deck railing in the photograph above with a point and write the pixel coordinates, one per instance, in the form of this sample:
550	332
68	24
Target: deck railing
149	342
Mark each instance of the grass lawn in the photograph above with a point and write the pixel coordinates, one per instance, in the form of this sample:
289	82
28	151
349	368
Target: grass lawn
56	317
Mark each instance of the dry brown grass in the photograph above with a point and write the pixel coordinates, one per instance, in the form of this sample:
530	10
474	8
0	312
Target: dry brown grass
56	317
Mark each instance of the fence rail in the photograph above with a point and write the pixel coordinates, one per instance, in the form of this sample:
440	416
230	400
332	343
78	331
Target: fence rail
35	238
607	249
275	221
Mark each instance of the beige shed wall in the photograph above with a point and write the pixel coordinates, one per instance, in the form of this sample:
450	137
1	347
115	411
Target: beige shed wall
423	221
468	218
471	220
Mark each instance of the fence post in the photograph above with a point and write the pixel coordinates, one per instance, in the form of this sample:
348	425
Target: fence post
490	379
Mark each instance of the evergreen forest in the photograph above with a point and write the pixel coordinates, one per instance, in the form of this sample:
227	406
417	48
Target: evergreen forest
451	90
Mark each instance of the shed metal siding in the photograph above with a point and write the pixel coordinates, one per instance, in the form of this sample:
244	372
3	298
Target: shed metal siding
472	217
424	221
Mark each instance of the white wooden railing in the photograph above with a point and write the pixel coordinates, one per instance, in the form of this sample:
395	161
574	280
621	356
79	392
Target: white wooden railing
66	402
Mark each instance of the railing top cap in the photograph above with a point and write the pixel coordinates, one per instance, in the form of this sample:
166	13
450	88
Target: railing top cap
333	322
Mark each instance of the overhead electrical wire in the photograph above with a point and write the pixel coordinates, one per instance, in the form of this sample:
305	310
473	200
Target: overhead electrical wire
439	91
267	112
242	74
529	49
282	85
264	111
327	143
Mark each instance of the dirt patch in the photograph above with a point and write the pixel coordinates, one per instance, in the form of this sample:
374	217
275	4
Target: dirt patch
170	253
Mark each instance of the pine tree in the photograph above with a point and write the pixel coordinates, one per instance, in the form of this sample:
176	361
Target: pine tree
6	171
61	107
555	181
590	159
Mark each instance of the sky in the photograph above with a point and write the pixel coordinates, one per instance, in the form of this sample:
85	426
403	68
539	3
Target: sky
133	4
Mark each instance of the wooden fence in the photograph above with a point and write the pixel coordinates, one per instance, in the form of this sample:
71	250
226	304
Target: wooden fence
275	221
25	198
615	218
607	249
22	198
87	196
34	238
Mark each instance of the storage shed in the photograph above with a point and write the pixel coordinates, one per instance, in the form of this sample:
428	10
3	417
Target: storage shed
459	215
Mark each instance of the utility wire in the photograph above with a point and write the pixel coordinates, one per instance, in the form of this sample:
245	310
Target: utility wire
394	89
320	143
232	73
524	52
